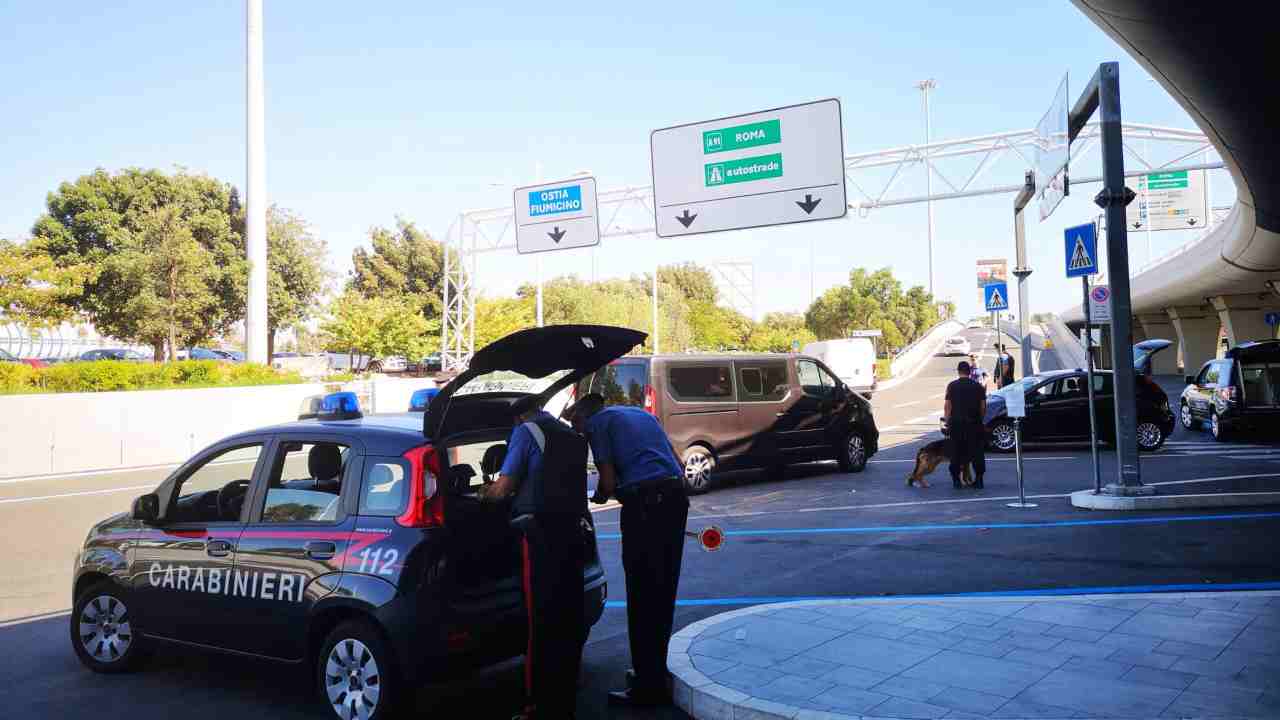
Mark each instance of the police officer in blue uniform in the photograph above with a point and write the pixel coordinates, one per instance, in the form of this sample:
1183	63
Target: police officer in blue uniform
638	466
545	475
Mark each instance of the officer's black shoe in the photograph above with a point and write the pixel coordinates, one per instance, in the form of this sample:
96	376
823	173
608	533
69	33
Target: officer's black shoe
977	484
955	483
633	697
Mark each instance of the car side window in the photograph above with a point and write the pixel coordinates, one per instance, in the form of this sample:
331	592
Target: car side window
762	382
810	380
1211	374
215	473
1044	392
215	491
829	382
1102	384
1071	387
305	484
701	383
384	491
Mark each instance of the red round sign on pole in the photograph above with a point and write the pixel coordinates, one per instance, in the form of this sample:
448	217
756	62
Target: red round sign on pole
711	538
1100	294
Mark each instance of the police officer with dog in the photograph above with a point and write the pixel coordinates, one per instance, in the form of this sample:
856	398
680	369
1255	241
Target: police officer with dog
638	466
545	475
963	411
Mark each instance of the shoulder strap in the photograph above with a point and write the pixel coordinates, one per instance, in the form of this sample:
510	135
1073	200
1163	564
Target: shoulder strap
537	434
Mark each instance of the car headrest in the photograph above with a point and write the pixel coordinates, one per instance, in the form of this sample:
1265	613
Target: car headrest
493	458
324	462
380	475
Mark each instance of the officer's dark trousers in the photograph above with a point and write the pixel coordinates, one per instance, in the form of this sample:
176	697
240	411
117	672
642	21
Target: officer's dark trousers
553	553
967	446
652	547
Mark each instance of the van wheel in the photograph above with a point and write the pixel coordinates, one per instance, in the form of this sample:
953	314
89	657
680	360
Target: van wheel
699	463
355	674
102	630
853	453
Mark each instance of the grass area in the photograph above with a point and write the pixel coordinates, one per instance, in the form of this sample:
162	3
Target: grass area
884	368
120	375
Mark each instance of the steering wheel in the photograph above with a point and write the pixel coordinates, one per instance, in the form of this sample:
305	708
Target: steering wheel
230	493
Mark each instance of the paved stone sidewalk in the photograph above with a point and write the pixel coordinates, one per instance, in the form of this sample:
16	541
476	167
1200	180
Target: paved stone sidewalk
1115	656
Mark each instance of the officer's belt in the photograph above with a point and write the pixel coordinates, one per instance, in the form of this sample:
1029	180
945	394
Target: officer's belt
650	491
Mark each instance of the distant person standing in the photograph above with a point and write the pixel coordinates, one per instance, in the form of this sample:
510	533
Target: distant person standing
1004	367
963	411
976	373
638	466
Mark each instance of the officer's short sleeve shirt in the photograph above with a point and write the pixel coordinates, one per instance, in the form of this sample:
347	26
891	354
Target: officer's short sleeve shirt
523	455
633	442
966	400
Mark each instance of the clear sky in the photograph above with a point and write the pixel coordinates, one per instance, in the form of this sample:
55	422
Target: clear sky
422	110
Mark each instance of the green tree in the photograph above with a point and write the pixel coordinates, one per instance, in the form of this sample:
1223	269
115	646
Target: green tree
379	327
34	291
873	301
777	331
296	273
404	264
498	317
694	283
100	219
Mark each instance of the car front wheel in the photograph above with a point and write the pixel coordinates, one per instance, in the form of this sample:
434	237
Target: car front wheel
853	453
102	630
356	674
1003	437
1188	420
699	463
1150	436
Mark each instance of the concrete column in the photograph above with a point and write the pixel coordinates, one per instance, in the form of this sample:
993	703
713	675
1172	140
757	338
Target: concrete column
1244	316
1139	332
1159	327
1197	327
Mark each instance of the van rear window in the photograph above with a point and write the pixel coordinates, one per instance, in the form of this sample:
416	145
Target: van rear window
701	383
623	383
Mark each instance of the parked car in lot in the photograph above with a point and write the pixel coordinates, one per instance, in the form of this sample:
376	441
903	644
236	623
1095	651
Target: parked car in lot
1057	405
1238	392
114	354
6	356
429	364
725	412
956	345
353	547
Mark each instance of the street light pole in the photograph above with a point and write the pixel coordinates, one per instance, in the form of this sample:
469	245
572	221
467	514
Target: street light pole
925	86
255	215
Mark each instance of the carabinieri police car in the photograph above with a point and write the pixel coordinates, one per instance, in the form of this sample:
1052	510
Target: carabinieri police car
353	545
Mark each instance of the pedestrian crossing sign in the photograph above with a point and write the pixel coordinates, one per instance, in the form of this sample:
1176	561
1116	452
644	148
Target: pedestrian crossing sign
995	296
1081	250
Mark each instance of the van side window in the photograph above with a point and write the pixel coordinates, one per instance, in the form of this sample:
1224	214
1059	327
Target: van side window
701	383
810	380
762	382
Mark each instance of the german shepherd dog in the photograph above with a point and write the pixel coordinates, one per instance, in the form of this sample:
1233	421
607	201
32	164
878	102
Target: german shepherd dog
927	460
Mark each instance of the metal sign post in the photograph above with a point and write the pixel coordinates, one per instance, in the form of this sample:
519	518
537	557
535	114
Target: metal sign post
1088	359
1016	406
1081	256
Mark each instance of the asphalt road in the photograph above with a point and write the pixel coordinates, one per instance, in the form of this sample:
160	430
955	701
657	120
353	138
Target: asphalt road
813	533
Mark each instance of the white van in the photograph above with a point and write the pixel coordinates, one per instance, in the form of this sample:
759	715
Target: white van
852	359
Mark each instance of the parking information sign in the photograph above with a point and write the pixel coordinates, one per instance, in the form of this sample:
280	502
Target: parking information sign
996	296
1168	201
1081	244
765	168
1015	403
557	216
1100	304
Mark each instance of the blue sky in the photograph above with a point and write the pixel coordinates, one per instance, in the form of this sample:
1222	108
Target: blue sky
422	110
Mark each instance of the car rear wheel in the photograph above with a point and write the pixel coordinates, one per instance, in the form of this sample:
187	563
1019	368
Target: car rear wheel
356	674
699	463
1003	437
102	631
1188	420
853	453
1217	429
1150	436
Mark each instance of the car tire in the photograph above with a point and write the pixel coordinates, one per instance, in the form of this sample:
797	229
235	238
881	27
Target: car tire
1187	418
1150	436
699	464
354	656
1219	430
374	367
1002	436
102	630
852	453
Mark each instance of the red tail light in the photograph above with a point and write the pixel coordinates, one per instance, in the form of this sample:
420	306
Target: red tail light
426	502
1227	393
650	400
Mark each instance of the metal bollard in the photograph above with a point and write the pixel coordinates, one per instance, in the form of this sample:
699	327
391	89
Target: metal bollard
1017	449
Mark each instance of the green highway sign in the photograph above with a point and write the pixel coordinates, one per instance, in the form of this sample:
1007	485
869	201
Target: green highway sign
1167	180
761	167
1169	200
739	137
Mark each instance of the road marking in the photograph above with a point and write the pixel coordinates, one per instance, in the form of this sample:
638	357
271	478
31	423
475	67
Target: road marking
87	473
35	618
150	486
1015	593
929	419
908	404
935	397
990	459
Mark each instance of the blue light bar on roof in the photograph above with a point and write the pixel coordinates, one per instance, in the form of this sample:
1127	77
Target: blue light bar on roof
339	406
420	399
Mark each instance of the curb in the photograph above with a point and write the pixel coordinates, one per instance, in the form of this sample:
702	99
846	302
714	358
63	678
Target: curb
1089	501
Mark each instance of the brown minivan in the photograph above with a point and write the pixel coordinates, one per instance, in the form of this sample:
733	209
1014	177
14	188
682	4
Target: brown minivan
727	412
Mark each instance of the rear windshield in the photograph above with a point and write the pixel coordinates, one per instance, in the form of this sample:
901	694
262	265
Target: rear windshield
1260	383
623	383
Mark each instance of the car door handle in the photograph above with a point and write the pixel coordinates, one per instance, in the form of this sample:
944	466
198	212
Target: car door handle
781	414
320	549
218	548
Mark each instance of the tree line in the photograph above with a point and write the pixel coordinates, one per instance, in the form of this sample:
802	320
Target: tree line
158	259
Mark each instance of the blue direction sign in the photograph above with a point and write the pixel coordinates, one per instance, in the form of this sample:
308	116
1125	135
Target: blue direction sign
996	296
1273	319
1081	244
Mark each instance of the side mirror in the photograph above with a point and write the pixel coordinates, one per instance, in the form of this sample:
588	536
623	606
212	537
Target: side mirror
1191	379
146	508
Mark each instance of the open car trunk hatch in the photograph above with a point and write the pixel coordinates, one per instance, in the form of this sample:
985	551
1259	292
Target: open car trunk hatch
1144	351
534	353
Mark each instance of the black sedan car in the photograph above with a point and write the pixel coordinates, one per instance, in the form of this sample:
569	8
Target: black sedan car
1238	392
354	547
1058	410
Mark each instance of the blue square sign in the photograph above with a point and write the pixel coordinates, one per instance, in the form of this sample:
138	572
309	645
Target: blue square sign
1082	250
996	296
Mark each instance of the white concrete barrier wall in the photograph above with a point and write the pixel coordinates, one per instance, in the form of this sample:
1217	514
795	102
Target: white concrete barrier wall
55	434
907	362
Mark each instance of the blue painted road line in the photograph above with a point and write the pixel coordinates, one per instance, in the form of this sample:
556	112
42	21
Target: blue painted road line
1035	592
984	526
